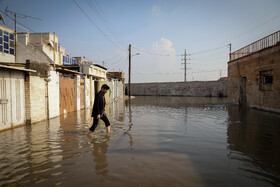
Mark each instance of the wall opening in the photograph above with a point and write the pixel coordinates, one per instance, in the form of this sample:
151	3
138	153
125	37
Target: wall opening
266	80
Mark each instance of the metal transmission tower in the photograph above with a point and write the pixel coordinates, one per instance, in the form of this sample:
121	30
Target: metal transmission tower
185	65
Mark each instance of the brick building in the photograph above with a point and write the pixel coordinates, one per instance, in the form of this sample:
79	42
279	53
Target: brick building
254	74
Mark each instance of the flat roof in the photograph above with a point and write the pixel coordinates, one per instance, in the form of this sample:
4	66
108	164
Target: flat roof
17	68
100	66
68	71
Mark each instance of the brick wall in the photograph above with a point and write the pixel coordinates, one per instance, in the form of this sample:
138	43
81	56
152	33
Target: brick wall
36	103
251	67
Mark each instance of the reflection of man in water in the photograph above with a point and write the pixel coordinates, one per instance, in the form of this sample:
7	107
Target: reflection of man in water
99	157
98	110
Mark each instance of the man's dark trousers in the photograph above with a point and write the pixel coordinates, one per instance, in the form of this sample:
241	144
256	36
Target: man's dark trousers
95	122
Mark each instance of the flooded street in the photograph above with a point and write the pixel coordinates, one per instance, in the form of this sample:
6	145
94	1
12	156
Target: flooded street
154	141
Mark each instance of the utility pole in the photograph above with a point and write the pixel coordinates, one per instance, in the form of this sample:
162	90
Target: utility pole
185	59
15	35
129	70
15	19
229	52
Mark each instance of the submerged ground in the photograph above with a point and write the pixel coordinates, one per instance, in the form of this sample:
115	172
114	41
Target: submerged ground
155	141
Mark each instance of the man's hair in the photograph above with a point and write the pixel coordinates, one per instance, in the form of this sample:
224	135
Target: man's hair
105	86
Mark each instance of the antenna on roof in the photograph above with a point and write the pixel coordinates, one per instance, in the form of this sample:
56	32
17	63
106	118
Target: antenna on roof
15	14
2	18
19	15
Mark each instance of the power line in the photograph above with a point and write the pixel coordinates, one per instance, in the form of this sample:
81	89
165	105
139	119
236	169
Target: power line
97	27
110	25
157	54
94	9
113	57
21	15
264	23
122	57
206	51
17	21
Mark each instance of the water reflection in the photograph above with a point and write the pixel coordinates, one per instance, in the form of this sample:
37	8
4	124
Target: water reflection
128	131
154	141
253	138
99	151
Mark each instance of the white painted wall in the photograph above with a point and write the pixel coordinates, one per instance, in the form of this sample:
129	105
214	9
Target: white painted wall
77	92
87	92
7	58
92	95
53	94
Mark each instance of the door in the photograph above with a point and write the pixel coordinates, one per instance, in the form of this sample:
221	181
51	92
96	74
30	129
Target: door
5	100
66	94
242	97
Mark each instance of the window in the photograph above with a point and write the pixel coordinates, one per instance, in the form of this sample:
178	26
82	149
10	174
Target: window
69	61
11	36
266	80
6	38
12	51
7	42
6	45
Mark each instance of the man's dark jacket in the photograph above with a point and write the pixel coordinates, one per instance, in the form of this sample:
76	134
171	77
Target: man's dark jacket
99	104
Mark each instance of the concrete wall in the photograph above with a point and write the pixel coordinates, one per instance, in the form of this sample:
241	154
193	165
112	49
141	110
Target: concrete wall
53	94
196	89
251	67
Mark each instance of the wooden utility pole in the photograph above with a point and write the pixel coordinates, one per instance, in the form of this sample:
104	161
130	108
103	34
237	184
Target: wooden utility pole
15	35
129	70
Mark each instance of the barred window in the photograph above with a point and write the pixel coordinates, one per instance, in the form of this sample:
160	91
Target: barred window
266	80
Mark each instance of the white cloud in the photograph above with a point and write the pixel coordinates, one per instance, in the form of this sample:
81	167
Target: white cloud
165	64
164	46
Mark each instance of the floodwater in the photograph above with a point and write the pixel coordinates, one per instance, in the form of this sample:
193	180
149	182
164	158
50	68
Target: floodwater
154	141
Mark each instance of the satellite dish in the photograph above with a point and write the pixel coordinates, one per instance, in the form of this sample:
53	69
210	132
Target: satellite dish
2	18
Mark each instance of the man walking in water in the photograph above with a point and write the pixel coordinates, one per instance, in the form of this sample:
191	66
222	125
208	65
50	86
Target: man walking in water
98	110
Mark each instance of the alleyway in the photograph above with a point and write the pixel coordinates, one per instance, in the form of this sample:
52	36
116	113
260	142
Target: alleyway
154	141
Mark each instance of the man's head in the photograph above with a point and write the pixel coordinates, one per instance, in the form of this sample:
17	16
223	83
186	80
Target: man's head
105	88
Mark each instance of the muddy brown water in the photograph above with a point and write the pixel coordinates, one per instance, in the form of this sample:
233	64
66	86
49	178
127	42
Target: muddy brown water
155	141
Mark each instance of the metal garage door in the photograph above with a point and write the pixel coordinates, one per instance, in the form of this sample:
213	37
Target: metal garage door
66	94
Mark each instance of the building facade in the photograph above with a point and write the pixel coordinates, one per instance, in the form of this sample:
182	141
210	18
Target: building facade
38	80
254	74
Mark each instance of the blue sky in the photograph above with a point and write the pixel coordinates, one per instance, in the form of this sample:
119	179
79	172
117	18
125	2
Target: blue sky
154	28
